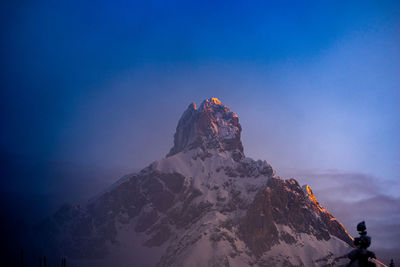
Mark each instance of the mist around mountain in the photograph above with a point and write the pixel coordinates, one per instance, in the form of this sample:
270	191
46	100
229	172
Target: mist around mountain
32	189
205	204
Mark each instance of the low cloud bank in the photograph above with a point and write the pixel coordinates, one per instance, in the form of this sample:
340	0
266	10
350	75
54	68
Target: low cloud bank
355	197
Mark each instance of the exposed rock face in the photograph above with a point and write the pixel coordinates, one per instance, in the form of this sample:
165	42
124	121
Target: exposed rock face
283	202
334	227
144	197
205	204
212	126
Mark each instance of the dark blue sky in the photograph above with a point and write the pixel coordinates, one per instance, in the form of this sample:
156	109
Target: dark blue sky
100	85
76	76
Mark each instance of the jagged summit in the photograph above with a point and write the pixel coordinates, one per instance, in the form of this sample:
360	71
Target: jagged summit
211	126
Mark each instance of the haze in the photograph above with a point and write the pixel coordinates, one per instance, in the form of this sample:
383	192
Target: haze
91	91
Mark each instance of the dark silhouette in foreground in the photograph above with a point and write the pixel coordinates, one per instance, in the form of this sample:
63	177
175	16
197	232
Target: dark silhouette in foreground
361	255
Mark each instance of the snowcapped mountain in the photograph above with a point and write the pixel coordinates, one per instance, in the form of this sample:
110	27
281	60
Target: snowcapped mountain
204	204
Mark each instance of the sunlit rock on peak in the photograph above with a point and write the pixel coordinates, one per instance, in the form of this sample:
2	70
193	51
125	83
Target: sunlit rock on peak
309	193
213	100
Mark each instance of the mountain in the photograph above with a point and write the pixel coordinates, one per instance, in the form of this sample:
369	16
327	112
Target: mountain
204	204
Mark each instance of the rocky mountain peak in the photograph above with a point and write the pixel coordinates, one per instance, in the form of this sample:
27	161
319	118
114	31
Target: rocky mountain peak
199	209
211	126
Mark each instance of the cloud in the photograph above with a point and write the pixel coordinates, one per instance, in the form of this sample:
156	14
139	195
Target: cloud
354	197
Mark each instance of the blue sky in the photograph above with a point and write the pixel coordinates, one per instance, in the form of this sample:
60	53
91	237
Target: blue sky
100	83
324	75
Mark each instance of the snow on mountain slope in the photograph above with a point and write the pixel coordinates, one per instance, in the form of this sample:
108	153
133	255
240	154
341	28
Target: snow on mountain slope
205	204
